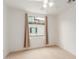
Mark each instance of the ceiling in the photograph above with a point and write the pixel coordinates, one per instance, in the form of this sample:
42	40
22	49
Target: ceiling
35	6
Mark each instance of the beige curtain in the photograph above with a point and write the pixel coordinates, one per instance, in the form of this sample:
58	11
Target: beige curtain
26	35
46	29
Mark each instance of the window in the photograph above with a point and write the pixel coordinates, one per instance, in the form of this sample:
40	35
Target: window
33	30
36	20
31	18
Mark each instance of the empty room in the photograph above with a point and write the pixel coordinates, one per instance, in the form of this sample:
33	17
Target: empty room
39	29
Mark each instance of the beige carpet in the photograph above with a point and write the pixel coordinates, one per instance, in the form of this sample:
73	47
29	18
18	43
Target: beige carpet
42	53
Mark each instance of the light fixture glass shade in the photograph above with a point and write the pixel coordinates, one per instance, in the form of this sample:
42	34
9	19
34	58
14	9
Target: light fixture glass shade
45	6
50	4
45	1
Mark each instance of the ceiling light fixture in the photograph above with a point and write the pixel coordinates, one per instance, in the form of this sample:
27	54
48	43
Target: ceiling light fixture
51	4
45	1
46	4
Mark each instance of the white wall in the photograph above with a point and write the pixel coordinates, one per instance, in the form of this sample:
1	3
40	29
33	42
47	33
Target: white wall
5	29
53	34
15	32
67	29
